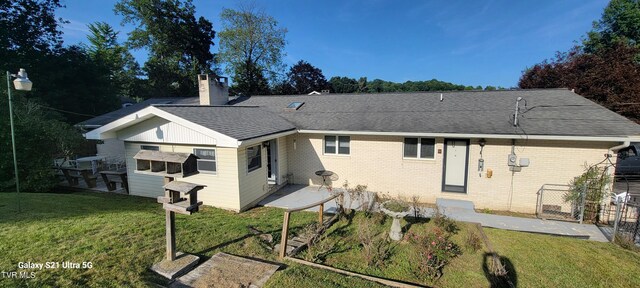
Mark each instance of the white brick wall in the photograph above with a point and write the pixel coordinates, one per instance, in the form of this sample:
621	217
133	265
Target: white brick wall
376	161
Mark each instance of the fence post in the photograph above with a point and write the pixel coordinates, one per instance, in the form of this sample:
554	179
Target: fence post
616	219
584	201
285	231
539	210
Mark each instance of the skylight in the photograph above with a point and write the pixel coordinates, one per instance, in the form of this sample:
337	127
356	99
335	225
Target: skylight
295	105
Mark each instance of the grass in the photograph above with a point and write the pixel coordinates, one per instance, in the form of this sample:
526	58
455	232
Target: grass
506	213
124	235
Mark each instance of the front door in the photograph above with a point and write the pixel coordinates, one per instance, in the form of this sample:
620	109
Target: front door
455	165
272	161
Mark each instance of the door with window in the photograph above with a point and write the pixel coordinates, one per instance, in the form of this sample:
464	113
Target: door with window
272	161
455	165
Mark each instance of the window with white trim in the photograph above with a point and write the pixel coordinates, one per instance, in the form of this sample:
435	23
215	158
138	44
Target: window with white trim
337	145
419	148
206	160
254	158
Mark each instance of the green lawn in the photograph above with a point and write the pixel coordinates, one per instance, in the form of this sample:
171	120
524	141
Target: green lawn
124	235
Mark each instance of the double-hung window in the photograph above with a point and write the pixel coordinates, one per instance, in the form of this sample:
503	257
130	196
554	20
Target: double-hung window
207	162
254	158
419	148
337	145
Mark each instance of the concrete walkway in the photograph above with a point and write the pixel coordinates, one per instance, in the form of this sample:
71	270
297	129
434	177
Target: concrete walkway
292	196
464	211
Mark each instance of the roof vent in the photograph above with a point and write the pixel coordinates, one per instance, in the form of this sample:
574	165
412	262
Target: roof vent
294	106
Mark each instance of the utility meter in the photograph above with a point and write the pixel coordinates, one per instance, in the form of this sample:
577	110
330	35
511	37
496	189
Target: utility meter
512	160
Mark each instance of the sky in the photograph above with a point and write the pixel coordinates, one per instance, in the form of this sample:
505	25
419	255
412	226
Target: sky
463	42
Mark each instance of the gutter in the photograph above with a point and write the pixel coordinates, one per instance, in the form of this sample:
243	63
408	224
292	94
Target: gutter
458	135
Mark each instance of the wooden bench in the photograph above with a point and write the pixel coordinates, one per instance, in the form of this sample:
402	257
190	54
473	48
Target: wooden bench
112	178
73	174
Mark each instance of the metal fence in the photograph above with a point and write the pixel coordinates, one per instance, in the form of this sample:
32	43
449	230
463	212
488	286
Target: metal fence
622	213
556	201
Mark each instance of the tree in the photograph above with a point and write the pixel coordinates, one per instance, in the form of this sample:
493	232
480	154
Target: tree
610	77
249	80
606	69
620	22
122	67
179	44
343	84
251	46
305	78
39	137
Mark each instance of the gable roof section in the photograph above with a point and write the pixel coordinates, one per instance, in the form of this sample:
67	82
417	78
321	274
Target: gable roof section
551	112
117	114
229	125
238	122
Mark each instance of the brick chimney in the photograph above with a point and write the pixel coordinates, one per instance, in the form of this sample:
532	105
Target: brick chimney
213	90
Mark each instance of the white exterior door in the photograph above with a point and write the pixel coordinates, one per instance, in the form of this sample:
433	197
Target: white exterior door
272	161
455	166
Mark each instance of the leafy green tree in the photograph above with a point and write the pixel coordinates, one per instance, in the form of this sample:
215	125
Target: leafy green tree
251	46
39	137
343	84
620	22
249	80
305	78
122	67
179	44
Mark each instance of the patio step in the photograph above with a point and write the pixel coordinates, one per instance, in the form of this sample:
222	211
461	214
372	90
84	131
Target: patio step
456	204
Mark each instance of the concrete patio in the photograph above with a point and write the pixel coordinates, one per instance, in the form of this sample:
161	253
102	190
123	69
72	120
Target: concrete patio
292	196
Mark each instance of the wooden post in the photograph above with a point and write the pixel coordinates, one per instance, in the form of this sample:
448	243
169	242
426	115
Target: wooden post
171	235
320	212
285	230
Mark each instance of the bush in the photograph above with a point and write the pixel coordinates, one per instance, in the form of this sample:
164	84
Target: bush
445	223
434	251
473	241
376	248
595	180
318	251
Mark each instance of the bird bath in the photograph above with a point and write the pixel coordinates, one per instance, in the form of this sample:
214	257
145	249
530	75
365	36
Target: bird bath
397	211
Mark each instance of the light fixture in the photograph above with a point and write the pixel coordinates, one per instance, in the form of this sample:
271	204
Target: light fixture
21	83
482	142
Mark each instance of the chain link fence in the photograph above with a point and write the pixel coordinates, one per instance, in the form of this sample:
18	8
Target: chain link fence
557	202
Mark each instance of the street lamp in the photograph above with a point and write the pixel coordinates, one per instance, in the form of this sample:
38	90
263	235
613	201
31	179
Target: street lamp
21	83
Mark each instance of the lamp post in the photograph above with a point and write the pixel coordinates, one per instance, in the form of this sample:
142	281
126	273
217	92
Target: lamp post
21	83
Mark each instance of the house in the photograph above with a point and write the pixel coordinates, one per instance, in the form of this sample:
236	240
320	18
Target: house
495	148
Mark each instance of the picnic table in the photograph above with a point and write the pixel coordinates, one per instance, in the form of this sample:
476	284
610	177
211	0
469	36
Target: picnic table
73	174
112	178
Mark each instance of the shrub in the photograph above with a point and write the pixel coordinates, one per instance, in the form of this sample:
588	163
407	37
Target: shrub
626	241
358	193
473	241
594	180
434	251
376	249
445	223
318	251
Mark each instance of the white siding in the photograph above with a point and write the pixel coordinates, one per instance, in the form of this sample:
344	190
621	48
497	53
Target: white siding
222	188
253	185
159	130
111	148
283	168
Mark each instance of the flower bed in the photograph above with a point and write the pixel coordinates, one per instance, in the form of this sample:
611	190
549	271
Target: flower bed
424	255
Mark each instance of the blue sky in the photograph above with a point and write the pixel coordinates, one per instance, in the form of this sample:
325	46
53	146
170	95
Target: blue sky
464	42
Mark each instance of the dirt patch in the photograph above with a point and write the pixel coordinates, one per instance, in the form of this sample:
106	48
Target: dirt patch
224	270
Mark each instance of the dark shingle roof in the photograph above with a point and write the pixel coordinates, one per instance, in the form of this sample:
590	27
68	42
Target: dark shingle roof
241	123
550	112
117	114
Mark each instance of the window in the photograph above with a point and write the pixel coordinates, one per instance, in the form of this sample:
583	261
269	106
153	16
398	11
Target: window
337	145
419	148
254	158
207	160
149	147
